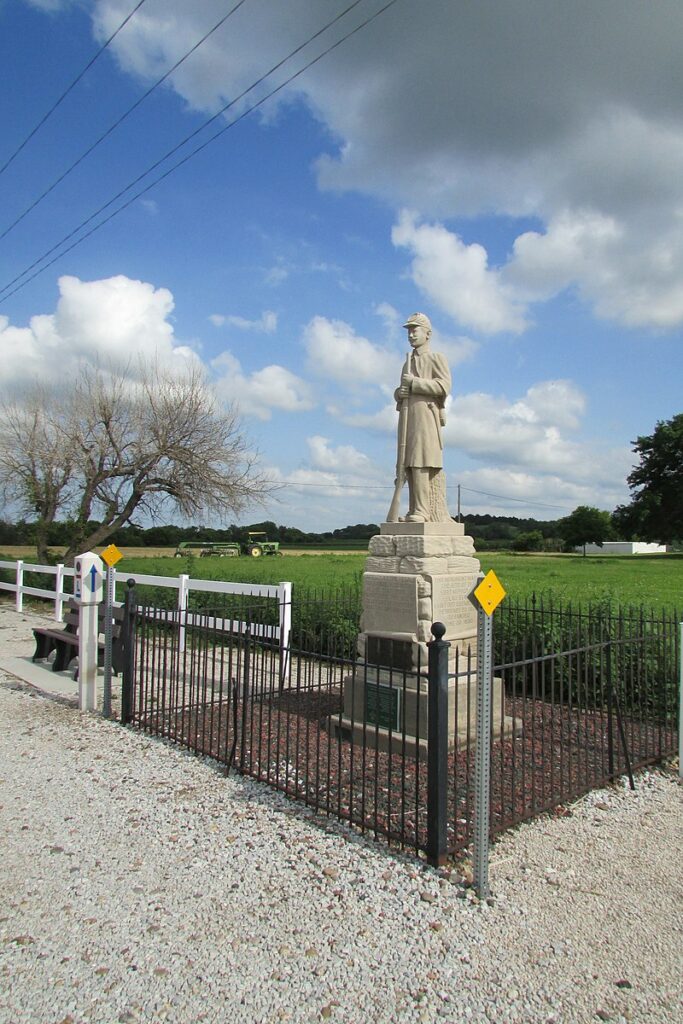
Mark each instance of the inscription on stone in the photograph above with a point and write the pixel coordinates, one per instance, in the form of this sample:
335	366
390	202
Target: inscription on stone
389	603
452	606
382	706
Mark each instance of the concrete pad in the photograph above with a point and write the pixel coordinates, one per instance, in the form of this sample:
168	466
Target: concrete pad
40	675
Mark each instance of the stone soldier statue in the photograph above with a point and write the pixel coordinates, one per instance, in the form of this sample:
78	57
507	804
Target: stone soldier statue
420	401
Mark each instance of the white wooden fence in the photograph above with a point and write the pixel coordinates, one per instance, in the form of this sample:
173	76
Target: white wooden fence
183	584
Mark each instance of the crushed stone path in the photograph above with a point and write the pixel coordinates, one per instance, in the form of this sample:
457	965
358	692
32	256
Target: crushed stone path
138	884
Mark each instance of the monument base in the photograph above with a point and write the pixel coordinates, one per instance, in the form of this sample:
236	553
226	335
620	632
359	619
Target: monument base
415	574
382	713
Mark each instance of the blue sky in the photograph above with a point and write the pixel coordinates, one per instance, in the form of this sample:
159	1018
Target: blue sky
513	170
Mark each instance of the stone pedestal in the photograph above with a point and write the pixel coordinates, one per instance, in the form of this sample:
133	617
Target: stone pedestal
415	574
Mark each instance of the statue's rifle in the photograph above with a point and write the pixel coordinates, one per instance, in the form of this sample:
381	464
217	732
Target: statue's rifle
392	515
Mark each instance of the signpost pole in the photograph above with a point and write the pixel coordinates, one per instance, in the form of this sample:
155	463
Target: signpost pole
482	755
108	631
111	556
680	704
489	593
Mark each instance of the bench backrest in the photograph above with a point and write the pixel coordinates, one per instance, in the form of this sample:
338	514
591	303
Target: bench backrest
72	618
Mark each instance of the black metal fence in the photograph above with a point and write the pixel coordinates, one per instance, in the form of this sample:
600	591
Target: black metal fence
581	696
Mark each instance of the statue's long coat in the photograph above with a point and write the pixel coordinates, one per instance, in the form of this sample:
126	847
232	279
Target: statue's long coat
424	444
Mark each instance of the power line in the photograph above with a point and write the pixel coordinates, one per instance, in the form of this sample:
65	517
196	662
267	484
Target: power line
385	487
507	497
120	120
195	151
66	92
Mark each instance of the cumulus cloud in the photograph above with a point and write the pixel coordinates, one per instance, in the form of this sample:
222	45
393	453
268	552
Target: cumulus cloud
457	277
486	109
115	321
502	491
342	458
628	275
259	393
529	436
266	323
336	352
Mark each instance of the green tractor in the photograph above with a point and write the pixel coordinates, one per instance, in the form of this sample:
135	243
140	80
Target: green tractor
255	546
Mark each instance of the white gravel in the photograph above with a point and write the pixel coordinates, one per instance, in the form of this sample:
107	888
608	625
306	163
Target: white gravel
137	883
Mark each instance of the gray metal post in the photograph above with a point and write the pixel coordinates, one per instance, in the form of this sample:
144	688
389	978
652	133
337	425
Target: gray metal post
108	631
482	754
680	705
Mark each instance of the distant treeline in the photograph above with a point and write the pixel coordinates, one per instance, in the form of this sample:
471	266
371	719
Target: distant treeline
489	532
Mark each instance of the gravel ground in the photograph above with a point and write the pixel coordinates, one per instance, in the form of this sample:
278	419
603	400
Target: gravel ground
138	884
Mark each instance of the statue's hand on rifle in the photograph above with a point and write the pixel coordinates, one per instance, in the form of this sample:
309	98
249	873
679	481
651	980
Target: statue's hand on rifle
406	385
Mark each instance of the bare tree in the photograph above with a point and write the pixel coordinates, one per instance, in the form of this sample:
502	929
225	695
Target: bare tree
115	447
37	459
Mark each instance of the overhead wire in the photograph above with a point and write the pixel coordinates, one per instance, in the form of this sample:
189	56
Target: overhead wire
451	487
195	151
86	153
68	89
507	497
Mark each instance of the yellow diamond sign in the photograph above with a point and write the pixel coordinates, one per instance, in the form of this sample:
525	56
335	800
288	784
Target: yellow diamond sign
490	592
112	555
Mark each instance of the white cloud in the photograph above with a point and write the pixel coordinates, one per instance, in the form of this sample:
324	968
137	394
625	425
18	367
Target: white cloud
390	316
457	277
115	321
629	274
502	491
343	458
277	275
150	206
337	353
259	393
574	118
384	421
266	324
528	437
50	5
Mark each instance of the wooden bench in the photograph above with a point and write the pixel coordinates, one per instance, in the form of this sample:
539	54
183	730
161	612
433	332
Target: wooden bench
65	641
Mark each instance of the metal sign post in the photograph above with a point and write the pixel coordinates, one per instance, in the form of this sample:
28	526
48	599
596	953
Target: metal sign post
489	594
680	705
111	556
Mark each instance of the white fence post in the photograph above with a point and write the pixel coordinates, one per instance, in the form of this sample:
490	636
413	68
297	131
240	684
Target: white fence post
59	589
183	594
19	595
88	581
284	597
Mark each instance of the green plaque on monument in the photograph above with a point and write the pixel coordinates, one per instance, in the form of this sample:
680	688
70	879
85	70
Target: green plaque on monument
382	704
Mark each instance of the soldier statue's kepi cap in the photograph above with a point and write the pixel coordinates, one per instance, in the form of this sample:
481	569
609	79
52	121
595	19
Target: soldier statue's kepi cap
418	320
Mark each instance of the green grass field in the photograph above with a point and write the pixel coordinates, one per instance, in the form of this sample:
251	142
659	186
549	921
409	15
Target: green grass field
654	581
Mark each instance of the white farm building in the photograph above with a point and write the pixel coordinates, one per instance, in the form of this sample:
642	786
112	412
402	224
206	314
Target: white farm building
624	547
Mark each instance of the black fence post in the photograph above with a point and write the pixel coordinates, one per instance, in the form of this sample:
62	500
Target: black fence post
610	706
437	751
128	643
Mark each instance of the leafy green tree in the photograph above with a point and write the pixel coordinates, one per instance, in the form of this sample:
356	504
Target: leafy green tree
585	525
656	509
531	541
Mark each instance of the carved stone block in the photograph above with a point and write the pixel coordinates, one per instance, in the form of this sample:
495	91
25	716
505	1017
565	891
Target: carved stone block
382	546
425	547
424	566
389	564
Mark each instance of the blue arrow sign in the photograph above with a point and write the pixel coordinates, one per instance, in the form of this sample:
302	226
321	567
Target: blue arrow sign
93	578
